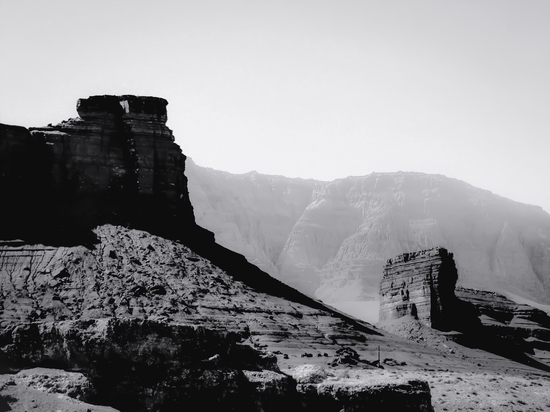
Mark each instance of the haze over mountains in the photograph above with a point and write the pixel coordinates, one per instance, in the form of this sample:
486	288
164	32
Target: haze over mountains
331	239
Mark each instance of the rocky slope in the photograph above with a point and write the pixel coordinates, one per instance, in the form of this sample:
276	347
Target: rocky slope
143	305
160	317
348	228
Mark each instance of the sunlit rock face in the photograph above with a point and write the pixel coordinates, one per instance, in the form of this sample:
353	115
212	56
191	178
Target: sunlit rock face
348	228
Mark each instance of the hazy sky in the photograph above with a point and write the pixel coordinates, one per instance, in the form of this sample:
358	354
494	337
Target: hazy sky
314	89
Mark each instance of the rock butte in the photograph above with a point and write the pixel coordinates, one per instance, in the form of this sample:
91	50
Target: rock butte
421	285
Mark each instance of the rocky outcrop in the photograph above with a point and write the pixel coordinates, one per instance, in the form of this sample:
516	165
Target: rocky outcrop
47	389
131	273
412	395
420	284
25	184
143	317
324	390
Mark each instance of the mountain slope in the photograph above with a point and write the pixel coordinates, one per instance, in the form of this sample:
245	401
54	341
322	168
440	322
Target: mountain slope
336	248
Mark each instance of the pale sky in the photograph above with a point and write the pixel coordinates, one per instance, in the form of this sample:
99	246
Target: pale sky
313	89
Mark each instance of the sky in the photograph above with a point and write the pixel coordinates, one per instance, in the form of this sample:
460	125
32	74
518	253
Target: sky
313	89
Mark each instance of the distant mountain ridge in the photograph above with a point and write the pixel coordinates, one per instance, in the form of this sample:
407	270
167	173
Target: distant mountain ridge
331	239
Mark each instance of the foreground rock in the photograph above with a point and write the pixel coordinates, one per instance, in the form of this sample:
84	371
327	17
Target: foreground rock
116	163
322	390
149	365
46	389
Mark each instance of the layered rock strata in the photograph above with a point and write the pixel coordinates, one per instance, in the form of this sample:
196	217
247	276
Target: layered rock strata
116	163
140	304
420	284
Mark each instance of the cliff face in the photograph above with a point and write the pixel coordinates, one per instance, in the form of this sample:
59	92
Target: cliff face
251	213
420	284
116	163
25	184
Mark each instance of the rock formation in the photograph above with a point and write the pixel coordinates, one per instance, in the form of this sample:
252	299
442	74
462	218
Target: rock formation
337	235
527	327
103	271
420	284
116	163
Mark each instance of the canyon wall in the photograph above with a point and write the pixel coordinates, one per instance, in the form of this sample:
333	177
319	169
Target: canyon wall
347	229
420	287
